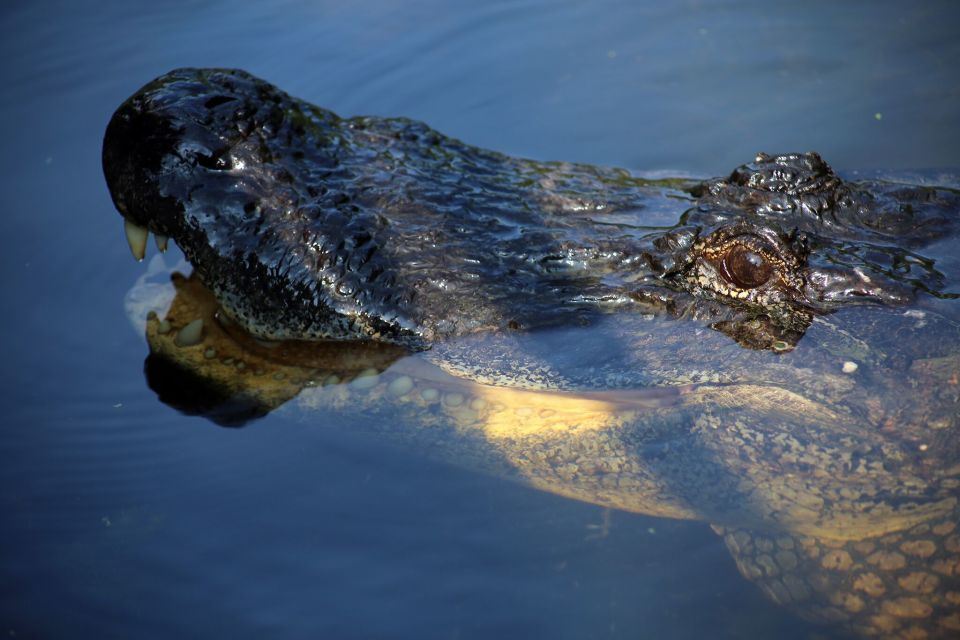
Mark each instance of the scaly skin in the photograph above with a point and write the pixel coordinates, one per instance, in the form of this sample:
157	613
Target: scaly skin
552	323
306	225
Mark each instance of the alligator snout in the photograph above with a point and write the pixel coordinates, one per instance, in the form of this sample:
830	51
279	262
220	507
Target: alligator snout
135	156
173	138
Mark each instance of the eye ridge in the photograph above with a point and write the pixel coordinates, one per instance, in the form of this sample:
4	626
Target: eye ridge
746	267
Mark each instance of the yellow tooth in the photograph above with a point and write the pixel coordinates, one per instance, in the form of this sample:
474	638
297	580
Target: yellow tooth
161	242
136	238
190	334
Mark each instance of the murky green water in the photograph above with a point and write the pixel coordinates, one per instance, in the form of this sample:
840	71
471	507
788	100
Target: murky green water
123	518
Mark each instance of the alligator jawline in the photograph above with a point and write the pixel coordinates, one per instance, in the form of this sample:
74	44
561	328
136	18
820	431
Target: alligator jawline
252	377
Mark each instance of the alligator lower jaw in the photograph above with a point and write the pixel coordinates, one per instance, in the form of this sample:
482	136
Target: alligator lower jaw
242	370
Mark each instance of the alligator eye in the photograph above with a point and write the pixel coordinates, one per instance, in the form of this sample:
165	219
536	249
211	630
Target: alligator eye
746	268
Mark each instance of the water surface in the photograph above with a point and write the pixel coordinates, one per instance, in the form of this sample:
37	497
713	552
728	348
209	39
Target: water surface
123	518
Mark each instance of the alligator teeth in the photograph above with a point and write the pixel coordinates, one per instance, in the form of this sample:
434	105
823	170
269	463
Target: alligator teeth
190	334
161	242
136	238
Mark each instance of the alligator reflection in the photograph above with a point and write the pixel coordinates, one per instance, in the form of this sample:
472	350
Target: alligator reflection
834	489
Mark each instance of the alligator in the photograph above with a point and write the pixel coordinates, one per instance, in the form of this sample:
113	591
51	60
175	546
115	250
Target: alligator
775	352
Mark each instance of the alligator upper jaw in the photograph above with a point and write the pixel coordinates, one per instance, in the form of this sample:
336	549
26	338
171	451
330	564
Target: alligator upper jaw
168	141
138	152
234	170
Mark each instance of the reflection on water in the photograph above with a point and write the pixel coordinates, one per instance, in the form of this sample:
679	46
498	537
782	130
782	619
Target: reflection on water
125	518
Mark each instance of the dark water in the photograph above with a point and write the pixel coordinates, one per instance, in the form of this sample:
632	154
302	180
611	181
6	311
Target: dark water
122	518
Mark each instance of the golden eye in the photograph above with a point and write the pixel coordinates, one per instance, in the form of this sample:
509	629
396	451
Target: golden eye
745	268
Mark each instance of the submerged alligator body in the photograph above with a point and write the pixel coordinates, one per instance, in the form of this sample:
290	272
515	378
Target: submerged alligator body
569	326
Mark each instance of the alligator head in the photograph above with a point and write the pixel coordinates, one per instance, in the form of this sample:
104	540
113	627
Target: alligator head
309	226
829	464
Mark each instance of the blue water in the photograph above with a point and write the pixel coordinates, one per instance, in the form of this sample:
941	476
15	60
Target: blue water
122	518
